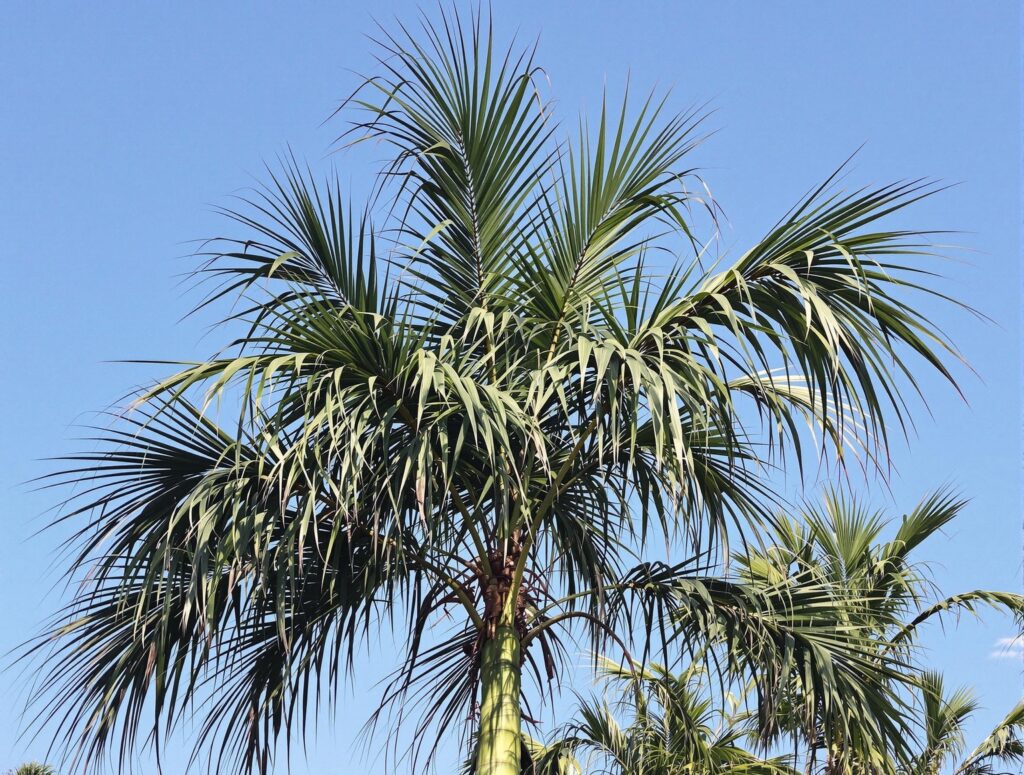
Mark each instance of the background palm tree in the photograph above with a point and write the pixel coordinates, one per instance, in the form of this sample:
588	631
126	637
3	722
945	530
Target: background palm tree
481	408
840	545
944	748
673	724
33	768
677	725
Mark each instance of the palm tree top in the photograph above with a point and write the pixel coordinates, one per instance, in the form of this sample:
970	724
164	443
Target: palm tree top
491	400
943	747
33	768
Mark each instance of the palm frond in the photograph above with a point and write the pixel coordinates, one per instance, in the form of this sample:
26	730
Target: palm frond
944	717
1004	745
471	138
798	642
817	297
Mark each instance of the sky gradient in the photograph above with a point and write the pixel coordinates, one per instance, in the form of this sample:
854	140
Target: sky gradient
124	125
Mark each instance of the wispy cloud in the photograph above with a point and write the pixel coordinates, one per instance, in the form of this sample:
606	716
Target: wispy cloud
1009	648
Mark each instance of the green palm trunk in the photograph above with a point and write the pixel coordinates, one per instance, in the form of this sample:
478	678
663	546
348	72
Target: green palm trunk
500	719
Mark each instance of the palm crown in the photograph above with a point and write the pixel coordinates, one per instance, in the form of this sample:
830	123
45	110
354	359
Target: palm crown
887	592
493	412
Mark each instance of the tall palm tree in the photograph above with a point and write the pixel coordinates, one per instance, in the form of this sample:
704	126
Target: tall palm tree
481	401
887	592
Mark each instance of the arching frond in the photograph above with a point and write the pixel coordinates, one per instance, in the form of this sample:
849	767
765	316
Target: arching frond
819	297
797	640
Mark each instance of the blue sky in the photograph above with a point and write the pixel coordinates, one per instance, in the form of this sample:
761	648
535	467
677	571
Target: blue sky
124	124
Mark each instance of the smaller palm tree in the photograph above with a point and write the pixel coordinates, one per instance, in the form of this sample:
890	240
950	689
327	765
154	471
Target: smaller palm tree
676	725
944	750
889	595
33	768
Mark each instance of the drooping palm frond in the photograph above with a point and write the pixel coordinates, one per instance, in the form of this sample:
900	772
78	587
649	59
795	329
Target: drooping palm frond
815	297
798	642
203	575
969	602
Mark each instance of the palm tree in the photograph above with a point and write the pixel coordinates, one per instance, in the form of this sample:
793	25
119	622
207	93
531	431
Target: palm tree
876	586
33	768
839	545
944	744
675	725
481	401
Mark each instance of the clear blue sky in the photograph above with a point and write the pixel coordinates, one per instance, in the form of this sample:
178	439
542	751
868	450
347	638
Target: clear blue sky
122	123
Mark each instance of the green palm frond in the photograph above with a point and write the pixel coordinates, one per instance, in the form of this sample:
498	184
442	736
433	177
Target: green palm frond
305	235
797	640
968	602
472	143
944	717
34	768
204	570
816	296
612	192
1004	746
840	546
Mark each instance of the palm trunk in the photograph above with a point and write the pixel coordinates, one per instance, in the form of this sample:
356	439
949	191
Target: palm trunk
500	720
